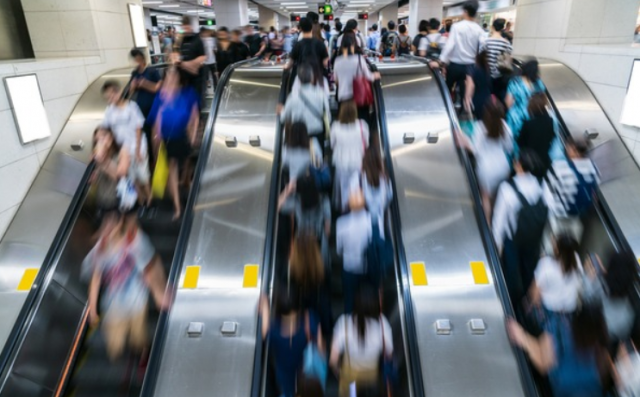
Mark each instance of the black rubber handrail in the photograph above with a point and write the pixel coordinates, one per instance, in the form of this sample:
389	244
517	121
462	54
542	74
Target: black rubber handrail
155	357
269	256
491	249
29	307
410	321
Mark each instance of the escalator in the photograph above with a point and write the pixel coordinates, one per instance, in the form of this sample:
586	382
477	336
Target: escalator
51	351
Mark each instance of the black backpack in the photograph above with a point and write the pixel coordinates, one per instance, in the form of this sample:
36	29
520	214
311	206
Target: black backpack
405	45
388	41
416	43
433	49
532	220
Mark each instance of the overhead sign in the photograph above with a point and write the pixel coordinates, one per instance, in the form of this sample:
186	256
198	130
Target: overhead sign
326	9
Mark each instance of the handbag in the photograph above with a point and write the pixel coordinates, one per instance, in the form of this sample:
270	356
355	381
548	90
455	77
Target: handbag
127	194
160	174
314	363
362	92
505	63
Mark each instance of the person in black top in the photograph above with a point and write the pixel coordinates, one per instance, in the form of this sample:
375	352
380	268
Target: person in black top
241	49
537	133
145	83
191	58
253	40
309	49
230	51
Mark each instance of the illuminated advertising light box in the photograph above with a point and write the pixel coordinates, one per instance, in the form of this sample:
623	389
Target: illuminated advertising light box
630	114
136	15
28	108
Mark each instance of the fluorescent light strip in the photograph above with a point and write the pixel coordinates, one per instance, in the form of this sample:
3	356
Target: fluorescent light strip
170	6
293	4
152	2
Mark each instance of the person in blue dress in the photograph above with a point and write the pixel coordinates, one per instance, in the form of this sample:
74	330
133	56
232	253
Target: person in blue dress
175	118
288	333
519	90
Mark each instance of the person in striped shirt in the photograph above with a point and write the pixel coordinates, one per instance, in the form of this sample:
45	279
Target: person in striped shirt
495	46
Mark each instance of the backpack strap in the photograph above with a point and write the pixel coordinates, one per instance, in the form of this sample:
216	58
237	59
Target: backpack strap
523	200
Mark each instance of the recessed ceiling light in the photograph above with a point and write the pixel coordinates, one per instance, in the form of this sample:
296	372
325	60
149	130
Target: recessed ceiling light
294	7
151	2
170	6
293	4
192	11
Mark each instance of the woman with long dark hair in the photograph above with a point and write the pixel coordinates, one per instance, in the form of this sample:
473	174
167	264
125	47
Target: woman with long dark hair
478	86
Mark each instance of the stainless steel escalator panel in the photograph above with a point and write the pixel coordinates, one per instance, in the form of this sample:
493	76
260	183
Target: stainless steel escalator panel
29	236
228	232
439	228
581	111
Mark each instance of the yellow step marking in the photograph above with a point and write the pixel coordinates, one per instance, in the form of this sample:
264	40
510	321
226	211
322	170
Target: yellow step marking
479	273
250	279
419	273
27	279
191	277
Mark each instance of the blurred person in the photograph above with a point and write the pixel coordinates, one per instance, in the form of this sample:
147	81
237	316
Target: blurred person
296	154
353	234
240	48
310	50
112	164
333	43
126	120
191	58
257	46
636	35
276	43
404	41
485	27
288	332
446	29
309	104
478	86
124	270
538	132
175	117
519	220
431	40
351	29
272	33
349	65
317	30
558	278
287	40
208	38
229	51
461	49
498	47
361	338
389	41
507	33
349	140
572	353
492	146
574	180
167	41
373	40
519	90
376	187
326	33
423	31
145	83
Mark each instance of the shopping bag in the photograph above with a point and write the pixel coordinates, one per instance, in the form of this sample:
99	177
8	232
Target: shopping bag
160	174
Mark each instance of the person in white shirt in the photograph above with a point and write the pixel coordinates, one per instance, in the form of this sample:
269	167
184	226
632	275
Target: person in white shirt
209	41
125	120
460	51
353	234
558	278
520	258
361	338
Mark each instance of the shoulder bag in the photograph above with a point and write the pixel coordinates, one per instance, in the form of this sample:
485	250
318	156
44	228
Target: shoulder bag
362	92
314	363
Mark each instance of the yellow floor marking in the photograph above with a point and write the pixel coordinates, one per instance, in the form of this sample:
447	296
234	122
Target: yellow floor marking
27	280
250	279
419	273
191	277
479	273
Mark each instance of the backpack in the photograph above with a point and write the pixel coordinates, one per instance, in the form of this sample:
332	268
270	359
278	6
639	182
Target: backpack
388	41
532	220
584	195
405	46
433	49
575	374
379	254
416	43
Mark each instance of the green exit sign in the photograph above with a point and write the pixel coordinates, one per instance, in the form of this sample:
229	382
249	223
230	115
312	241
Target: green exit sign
326	9
209	22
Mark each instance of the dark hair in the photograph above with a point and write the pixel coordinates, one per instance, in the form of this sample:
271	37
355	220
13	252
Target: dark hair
223	29
348	112
434	23
498	24
374	27
136	52
622	274
351	25
423	26
580	145
566	247
366	306
383	31
309	387
447	25
529	161
306	25
372	166
589	328
391	25
297	135
471	7
110	85
531	71
348	41
307	191
286	302
237	32
186	20
306	73
484	25
313	17
338	26
537	105
402	29
327	28
492	118
272	29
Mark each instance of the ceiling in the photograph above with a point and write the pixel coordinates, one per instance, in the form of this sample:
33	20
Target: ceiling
341	8
171	10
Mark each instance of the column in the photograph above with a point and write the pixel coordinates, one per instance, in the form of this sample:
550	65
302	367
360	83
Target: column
231	13
423	9
389	13
266	17
283	20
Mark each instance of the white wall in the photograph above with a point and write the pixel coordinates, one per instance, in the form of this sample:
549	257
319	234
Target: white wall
75	42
